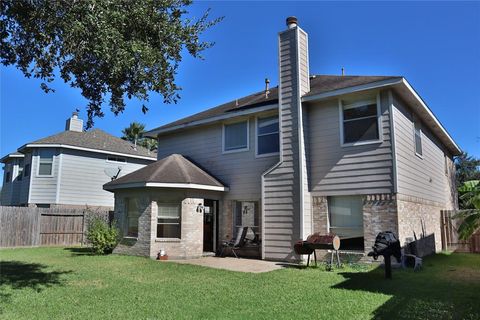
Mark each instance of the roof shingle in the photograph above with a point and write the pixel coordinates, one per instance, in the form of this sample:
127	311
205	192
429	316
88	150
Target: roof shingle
95	139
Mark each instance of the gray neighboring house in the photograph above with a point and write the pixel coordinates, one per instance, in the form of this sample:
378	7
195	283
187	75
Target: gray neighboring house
350	155
68	169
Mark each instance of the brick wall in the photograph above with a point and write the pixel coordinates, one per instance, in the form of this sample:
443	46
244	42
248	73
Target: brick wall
379	214
412	211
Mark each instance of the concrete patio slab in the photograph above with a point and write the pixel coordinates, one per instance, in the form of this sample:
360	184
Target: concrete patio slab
233	264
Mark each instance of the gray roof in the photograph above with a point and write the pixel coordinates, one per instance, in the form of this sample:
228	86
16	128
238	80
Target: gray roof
318	84
174	169
94	139
12	155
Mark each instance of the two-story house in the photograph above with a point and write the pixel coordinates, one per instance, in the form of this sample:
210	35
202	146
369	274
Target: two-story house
349	155
68	169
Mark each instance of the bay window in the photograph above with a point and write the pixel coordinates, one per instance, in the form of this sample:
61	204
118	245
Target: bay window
132	216
45	163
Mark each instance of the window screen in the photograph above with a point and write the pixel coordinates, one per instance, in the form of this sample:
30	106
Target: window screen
346	216
267	135
168	221
236	136
360	123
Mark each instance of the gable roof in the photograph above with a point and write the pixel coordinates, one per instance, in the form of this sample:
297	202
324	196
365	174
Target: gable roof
94	140
174	171
318	84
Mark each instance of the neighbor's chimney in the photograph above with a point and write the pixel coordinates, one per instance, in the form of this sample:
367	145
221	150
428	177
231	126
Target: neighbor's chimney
267	88
74	123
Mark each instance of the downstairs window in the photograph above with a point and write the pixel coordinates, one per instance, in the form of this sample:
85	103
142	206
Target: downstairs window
346	220
169	221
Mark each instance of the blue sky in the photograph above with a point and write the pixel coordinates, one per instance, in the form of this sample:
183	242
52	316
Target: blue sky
435	45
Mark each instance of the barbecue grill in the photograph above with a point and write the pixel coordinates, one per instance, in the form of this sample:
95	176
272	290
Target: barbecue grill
317	241
386	245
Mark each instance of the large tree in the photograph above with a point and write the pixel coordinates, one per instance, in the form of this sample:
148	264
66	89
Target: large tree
467	168
109	49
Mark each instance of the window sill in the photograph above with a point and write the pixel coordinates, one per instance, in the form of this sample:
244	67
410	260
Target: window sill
235	150
130	238
173	240
419	155
266	155
363	143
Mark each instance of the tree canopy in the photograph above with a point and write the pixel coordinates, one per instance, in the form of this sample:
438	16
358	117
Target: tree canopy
109	49
467	168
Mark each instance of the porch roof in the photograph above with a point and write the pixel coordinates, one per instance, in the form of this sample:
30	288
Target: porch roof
174	171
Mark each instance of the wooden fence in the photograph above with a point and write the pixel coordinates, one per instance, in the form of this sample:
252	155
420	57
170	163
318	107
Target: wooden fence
25	227
450	240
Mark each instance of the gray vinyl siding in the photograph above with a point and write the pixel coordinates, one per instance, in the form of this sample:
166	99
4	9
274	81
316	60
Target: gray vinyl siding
282	185
43	188
83	176
423	177
25	183
240	171
348	170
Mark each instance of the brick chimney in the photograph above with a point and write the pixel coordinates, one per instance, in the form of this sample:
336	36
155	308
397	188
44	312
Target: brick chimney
74	123
292	208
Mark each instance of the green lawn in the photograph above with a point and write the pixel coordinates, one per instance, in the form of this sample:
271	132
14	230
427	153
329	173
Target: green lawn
49	283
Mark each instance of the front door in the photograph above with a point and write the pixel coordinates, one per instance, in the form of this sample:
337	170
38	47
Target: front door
209	224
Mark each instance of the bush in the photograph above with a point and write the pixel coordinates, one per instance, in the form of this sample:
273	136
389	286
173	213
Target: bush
101	236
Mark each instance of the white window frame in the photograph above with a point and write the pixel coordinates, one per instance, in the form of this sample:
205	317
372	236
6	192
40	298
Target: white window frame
359	103
417	121
248	137
162	204
38	175
257	155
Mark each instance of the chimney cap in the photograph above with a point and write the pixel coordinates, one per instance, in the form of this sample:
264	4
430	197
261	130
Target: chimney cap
292	22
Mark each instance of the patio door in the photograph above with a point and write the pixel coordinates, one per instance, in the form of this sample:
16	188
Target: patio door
210	226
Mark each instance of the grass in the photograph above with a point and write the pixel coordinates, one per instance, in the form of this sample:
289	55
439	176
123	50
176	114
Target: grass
68	283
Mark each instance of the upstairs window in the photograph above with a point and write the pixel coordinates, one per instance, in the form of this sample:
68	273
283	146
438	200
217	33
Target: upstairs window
235	137
20	170
45	165
26	170
168	221
8	177
360	122
418	137
268	136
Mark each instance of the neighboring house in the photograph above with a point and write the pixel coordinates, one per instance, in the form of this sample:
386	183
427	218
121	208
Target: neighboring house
69	169
350	155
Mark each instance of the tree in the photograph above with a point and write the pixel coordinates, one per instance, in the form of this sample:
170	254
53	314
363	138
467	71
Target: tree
109	49
467	168
470	198
134	133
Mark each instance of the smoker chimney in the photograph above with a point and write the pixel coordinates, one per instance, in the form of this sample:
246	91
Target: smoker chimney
74	123
267	88
292	22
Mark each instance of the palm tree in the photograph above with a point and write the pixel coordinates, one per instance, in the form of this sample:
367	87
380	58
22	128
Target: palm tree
134	132
470	200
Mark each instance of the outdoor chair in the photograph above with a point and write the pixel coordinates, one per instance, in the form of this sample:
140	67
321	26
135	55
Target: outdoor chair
236	244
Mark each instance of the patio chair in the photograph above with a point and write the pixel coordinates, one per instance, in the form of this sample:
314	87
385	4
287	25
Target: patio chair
236	244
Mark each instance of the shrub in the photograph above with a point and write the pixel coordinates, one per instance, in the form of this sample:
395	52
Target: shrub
101	236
